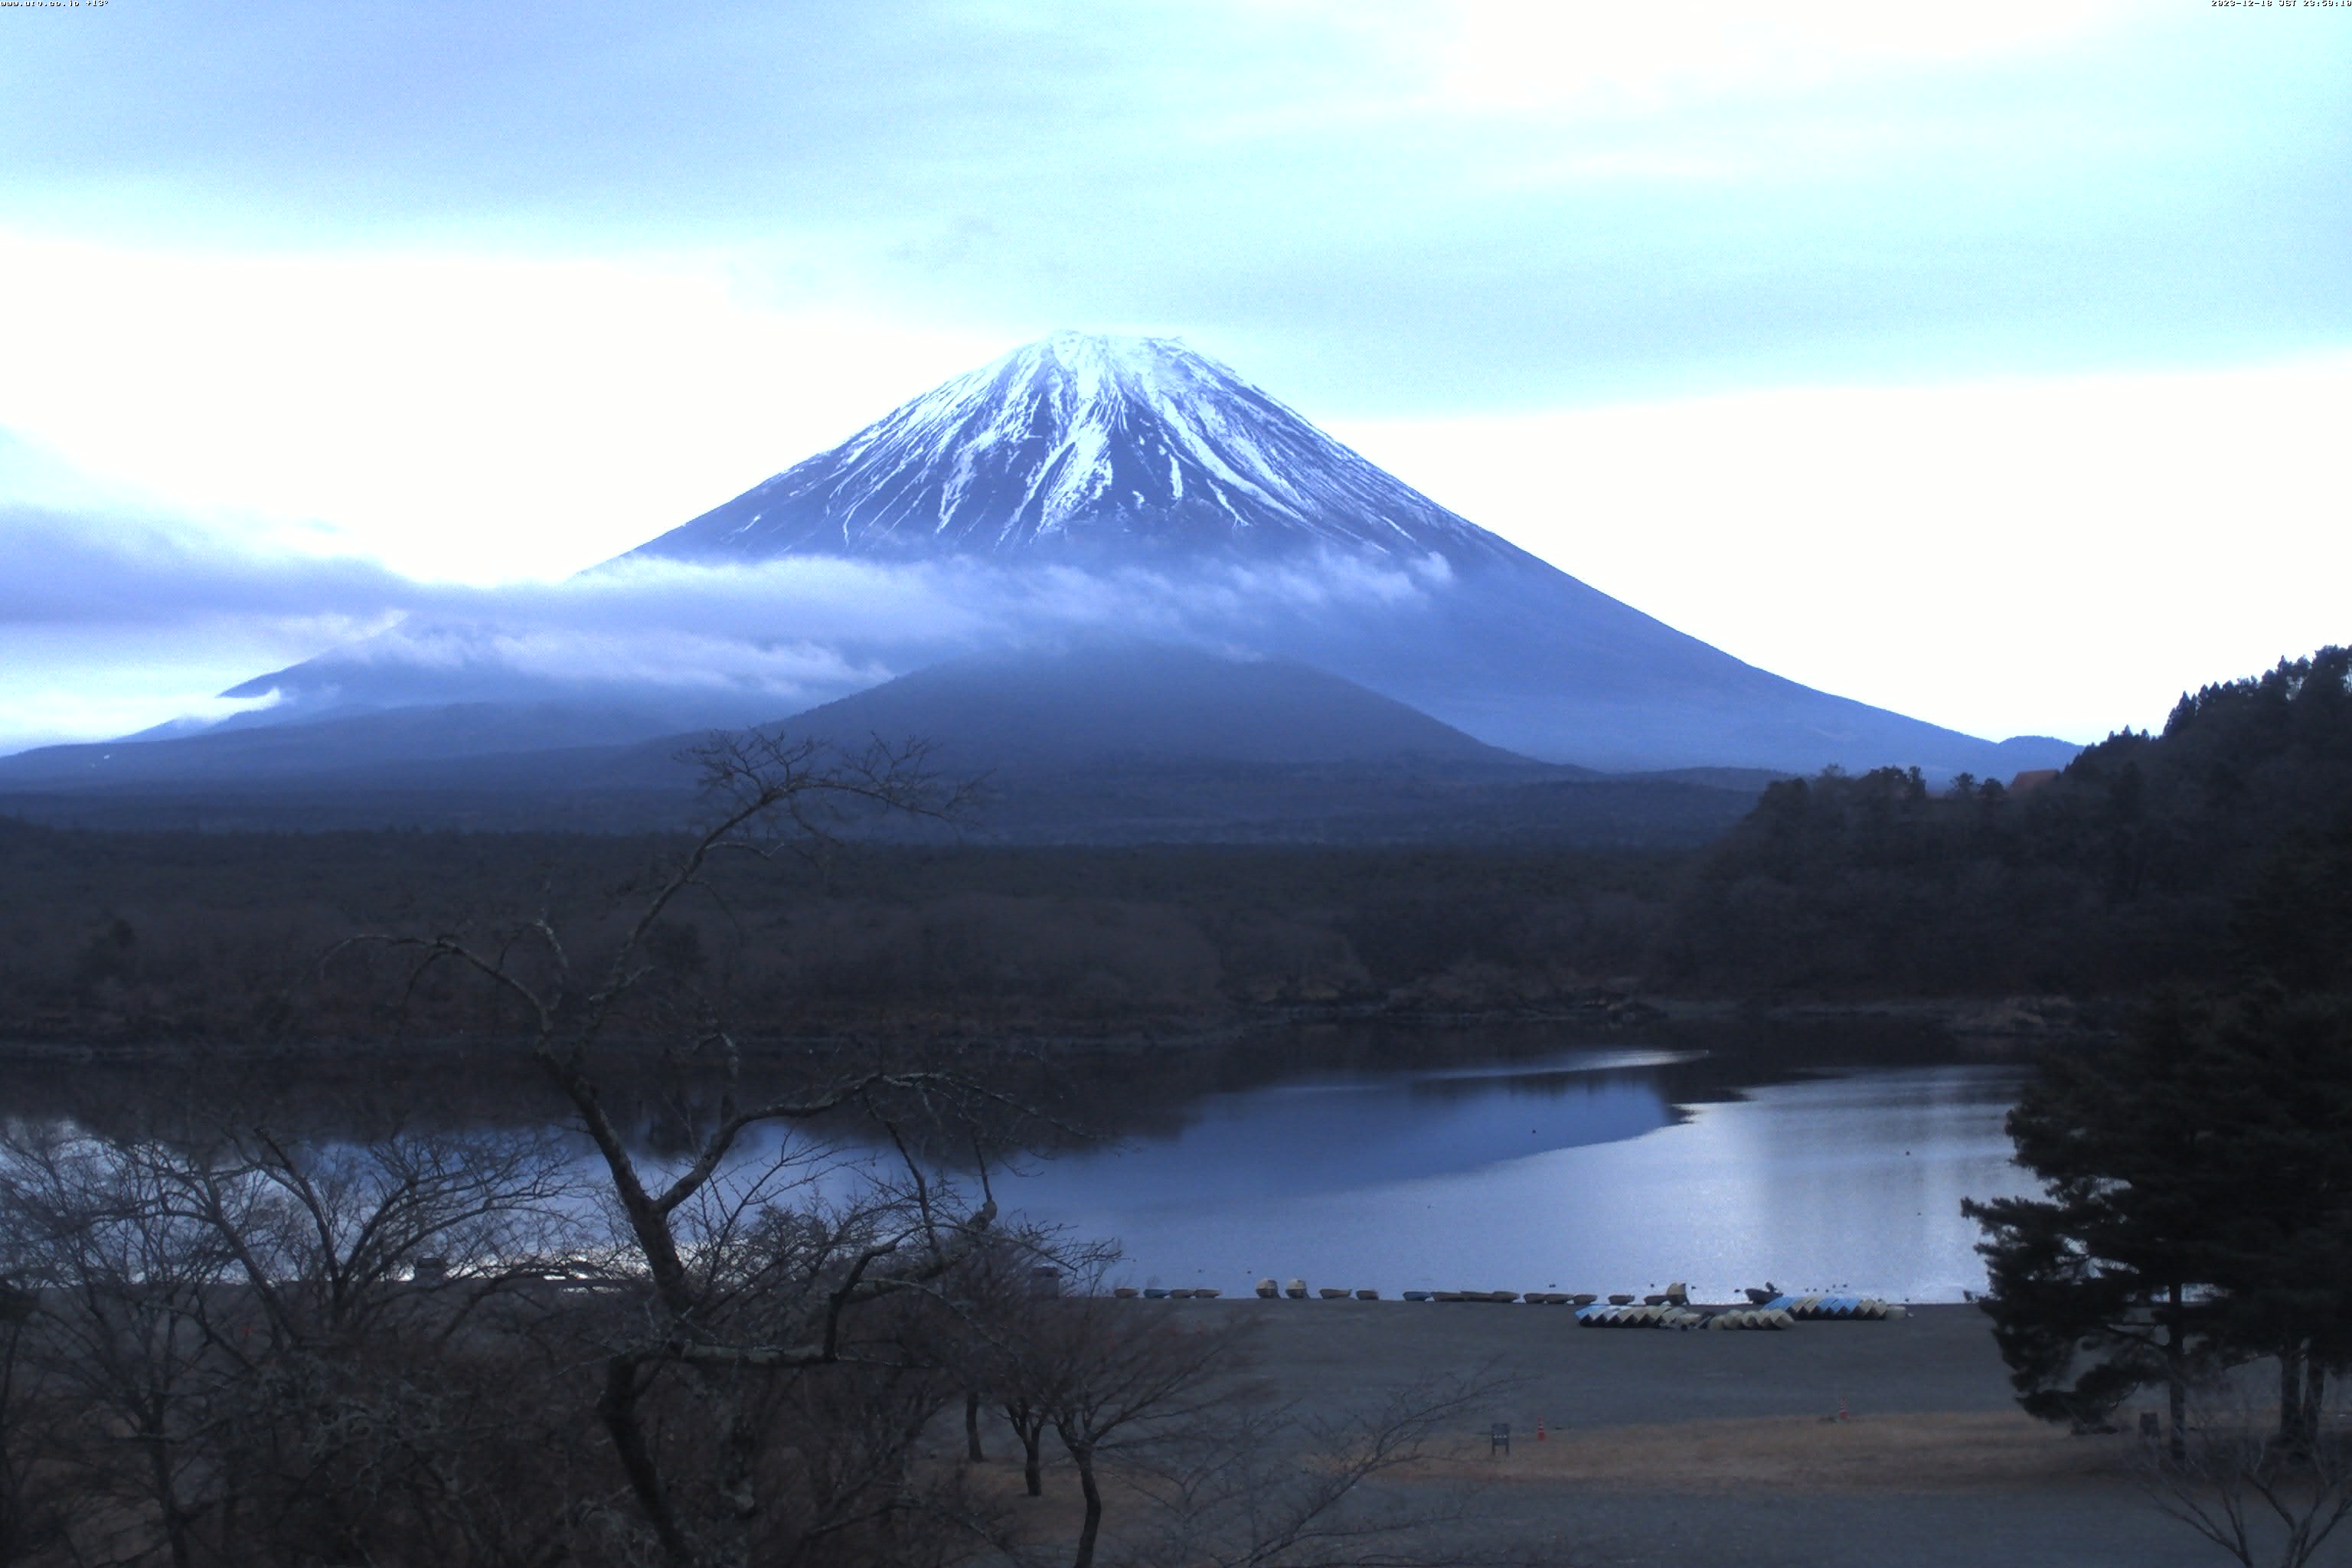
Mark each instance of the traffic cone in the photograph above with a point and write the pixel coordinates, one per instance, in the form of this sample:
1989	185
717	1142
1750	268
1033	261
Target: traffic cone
1842	1415
1539	1432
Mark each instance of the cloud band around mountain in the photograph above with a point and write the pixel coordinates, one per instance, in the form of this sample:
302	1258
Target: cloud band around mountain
785	633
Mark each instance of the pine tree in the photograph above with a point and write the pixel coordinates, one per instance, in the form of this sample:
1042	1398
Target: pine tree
2103	1286
2199	1211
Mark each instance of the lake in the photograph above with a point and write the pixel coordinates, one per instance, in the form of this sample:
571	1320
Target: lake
1391	1157
1615	1168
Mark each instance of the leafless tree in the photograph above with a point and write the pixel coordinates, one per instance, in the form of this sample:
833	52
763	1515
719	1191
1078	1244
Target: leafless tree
1115	1378
1009	1352
34	1507
746	1267
1273	1487
370	1409
1156	1404
132	1314
2260	1498
242	1314
331	1239
1024	1410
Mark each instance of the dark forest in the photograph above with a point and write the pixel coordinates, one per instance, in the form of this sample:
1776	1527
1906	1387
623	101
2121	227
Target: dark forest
2222	844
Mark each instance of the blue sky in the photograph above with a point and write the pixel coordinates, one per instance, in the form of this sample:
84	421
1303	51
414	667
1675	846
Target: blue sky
1982	362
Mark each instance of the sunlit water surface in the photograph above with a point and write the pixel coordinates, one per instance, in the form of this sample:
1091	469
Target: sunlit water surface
1425	1158
1575	1173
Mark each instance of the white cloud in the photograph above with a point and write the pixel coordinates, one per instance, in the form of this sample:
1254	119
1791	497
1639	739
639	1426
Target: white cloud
81	710
89	683
108	626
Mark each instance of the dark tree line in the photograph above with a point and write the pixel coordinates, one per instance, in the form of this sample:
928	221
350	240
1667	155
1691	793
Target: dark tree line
2184	856
2196	1221
2132	867
159	940
2196	1214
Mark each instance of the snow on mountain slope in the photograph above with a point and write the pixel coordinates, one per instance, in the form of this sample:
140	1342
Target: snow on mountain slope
1126	453
1084	442
1081	489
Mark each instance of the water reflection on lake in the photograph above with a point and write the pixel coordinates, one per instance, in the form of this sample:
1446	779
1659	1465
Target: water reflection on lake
1395	1157
1575	1173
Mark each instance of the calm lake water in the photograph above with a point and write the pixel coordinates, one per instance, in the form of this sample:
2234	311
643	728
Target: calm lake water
1580	1170
1394	1158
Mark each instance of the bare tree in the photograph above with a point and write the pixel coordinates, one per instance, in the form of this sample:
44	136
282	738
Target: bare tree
246	1310
365	1412
1114	1380
1274	1488
2262	1498
1025	1411
331	1239
34	1507
1158	1405
133	1317
750	1269
1009	1350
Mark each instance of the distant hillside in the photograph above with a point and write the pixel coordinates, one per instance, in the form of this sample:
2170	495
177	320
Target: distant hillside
1094	745
1134	702
412	742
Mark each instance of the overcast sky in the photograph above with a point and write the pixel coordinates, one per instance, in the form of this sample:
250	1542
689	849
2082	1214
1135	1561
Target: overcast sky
1989	362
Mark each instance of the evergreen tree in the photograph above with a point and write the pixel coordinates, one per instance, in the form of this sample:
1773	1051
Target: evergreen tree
2199	1211
2102	1287
2278	1087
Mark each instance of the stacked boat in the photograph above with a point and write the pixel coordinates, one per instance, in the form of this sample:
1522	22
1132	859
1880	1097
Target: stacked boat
1750	1318
1767	1309
1638	1315
1815	1308
1777	1312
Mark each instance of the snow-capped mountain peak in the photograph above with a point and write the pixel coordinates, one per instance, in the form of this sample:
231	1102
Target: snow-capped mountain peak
1104	453
1082	442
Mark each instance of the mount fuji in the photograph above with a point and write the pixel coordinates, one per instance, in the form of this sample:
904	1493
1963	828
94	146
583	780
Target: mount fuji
1123	511
1142	454
1116	449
